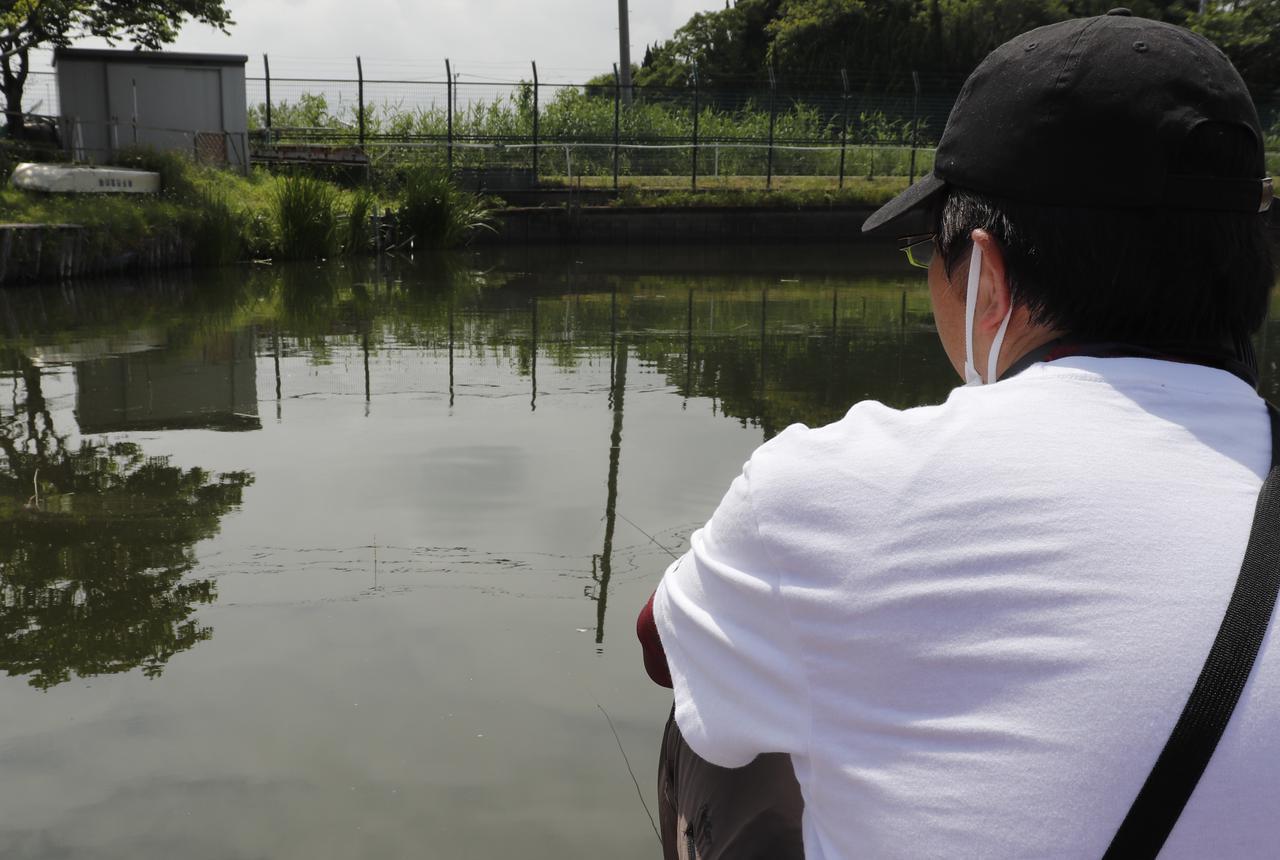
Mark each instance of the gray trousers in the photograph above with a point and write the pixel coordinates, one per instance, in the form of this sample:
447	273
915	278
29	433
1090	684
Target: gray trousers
707	812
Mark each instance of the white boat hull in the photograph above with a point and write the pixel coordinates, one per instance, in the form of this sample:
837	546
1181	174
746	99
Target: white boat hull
84	179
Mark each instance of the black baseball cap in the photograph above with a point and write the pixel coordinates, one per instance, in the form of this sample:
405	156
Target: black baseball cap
1088	112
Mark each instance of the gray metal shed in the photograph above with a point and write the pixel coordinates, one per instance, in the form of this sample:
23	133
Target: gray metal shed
190	102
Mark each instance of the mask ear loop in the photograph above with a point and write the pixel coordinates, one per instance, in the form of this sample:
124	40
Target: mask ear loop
971	376
994	355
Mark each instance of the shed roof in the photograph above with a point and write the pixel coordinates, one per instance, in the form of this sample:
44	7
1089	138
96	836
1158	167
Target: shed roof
149	57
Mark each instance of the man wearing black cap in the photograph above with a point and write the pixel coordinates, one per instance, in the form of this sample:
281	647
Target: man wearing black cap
981	628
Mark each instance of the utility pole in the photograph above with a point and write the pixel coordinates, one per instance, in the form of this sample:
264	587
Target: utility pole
624	50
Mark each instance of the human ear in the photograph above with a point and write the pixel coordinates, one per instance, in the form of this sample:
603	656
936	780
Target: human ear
994	297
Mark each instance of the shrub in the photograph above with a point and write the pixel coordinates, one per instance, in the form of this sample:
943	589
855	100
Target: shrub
436	212
14	152
306	217
178	174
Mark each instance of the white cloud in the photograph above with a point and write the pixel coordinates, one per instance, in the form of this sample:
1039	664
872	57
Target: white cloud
570	39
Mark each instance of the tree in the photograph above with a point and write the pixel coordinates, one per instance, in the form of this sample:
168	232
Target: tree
819	37
727	45
880	42
971	29
1247	32
27	24
96	548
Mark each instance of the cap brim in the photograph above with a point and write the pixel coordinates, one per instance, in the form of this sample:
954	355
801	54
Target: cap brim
908	213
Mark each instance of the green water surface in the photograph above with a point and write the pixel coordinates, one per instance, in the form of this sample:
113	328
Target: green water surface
343	560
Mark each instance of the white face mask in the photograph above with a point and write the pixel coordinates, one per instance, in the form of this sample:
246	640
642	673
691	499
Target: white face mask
971	376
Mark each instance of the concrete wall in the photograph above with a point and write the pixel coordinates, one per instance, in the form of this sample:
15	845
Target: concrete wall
172	96
58	252
675	225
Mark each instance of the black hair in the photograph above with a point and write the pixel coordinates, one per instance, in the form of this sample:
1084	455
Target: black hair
1145	276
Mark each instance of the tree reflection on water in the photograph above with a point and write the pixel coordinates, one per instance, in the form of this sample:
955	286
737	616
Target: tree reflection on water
96	541
97	564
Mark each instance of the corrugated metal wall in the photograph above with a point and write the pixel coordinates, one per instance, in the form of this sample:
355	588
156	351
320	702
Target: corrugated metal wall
197	107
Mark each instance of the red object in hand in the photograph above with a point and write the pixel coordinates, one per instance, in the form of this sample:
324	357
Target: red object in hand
655	659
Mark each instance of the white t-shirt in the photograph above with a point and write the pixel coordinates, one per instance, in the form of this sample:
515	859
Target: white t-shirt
974	625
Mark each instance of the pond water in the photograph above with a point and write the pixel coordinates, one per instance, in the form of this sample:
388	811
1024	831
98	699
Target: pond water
344	560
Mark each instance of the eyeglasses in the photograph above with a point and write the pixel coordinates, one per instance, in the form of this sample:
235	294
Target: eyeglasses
919	249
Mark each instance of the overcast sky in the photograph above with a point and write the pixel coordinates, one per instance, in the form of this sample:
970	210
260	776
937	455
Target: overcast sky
570	39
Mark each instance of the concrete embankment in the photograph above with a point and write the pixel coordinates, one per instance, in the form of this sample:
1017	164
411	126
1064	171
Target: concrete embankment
719	225
54	252
620	225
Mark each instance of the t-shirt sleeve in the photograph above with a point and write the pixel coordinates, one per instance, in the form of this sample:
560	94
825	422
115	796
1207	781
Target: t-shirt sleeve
740	688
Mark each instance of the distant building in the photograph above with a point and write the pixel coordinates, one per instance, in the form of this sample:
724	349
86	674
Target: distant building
214	387
195	103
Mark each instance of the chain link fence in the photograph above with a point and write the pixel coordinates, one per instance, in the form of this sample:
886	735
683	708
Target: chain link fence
601	135
511	135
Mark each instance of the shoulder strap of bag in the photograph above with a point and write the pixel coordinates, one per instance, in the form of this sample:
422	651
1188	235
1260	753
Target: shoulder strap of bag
1203	720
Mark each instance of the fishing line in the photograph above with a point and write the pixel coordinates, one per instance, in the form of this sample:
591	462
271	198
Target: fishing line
627	762
616	738
649	536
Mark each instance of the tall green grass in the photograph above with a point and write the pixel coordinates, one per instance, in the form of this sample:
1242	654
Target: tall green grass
306	217
217	237
435	212
586	114
179	175
358	226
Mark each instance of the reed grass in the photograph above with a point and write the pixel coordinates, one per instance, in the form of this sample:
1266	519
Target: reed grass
219	230
435	212
306	217
358	227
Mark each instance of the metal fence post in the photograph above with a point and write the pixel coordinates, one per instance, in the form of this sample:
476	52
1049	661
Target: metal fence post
773	121
695	128
915	122
617	111
360	96
266	68
77	140
844	125
448	128
535	122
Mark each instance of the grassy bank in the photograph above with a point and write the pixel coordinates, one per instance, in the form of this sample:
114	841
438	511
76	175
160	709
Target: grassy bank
221	217
787	191
214	217
795	192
